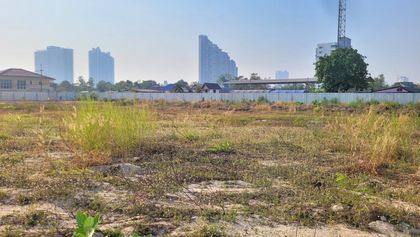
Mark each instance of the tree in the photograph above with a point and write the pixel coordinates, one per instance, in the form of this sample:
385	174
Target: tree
91	84
406	84
145	84
181	83
196	87
253	77
66	86
224	78
124	85
343	70
103	86
82	85
378	83
54	86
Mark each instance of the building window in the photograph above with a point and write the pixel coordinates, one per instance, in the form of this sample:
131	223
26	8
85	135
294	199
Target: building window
5	84
21	85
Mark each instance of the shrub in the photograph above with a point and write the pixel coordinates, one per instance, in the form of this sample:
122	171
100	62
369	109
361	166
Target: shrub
107	128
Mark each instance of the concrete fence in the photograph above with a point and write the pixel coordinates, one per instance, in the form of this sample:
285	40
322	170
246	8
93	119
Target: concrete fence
402	98
307	98
37	96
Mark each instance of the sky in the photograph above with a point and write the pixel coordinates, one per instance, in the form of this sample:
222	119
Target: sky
158	39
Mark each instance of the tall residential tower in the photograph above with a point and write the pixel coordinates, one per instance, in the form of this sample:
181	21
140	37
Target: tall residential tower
101	66
214	62
55	62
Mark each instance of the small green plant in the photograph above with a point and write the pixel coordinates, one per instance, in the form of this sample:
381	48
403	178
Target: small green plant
222	147
190	135
341	180
86	225
211	230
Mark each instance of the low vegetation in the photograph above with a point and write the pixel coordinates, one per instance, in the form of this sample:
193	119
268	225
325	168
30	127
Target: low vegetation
107	128
207	168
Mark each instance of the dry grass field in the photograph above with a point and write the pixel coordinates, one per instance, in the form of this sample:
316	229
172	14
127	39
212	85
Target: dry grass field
210	168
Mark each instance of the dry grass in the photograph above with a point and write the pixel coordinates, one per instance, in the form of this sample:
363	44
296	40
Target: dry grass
373	140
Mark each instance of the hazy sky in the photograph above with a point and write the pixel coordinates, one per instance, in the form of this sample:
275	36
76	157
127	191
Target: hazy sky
158	39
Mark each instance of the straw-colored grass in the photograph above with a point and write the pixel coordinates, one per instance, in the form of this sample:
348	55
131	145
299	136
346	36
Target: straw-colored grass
375	141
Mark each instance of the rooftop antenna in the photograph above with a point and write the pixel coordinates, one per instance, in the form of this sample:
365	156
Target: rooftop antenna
41	70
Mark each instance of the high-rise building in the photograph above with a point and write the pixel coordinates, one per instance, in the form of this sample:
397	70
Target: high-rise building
55	62
323	50
282	75
101	66
214	62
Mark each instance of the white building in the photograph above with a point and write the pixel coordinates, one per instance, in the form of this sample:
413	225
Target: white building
101	66
325	49
55	62
214	62
281	75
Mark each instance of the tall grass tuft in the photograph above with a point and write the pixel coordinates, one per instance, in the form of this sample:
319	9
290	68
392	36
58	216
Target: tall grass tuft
375	141
106	128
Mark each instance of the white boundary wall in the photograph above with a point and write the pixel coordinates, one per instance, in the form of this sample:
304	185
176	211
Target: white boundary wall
307	98
36	96
402	98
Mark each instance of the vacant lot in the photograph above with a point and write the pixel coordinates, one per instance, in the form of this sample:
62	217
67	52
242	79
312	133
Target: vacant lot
210	168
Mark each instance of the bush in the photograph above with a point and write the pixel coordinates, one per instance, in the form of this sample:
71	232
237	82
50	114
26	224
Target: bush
107	128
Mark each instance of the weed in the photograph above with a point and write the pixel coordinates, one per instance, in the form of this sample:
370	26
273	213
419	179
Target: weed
341	180
210	230
106	128
112	233
35	218
222	147
86	225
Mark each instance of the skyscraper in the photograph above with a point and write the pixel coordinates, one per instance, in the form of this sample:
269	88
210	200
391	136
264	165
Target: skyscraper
55	62
214	62
101	66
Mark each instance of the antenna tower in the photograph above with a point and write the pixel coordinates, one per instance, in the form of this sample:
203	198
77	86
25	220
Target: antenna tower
342	19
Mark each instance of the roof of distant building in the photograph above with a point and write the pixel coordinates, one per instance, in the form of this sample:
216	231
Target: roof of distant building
146	91
17	72
399	88
168	87
212	86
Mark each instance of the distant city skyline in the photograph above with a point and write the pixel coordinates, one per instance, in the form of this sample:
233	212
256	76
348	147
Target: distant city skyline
101	66
156	39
